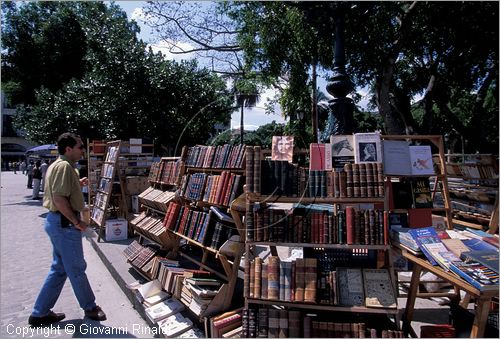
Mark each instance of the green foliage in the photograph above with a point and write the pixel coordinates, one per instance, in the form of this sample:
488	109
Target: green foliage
125	90
390	46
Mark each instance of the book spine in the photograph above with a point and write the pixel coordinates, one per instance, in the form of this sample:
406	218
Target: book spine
349	180
380	179
350	222
294	320
283	331
273	278
343	184
249	221
263	319
264	283
310	276
355	181
274	323
257	278
362	181
249	154
256	169
370	188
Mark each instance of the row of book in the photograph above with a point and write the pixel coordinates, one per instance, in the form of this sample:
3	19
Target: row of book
197	225
274	279
364	180
165	172
226	156
301	281
264	322
214	189
151	226
319	224
156	198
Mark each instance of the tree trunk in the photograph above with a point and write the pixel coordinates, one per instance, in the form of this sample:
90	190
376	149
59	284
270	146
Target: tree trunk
428	100
393	125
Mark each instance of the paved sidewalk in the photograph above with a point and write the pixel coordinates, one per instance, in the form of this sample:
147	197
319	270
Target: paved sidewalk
26	255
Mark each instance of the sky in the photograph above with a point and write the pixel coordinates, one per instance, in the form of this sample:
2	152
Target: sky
253	117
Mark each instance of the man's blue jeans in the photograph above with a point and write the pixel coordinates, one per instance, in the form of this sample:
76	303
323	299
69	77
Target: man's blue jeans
68	262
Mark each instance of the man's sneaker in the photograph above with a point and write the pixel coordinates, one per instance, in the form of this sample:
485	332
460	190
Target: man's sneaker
96	314
50	318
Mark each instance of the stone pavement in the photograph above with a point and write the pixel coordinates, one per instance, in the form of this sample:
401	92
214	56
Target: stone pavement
26	255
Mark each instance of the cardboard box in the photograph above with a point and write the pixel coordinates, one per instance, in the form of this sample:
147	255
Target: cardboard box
136	184
116	229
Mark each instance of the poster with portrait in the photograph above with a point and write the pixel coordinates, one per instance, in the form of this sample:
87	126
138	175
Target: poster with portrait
282	148
367	148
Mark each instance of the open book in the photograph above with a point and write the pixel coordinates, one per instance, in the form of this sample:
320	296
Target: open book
403	159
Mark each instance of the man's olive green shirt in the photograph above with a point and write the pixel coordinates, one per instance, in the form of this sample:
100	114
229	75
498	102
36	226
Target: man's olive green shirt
62	179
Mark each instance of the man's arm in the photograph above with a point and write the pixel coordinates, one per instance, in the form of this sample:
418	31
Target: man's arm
63	205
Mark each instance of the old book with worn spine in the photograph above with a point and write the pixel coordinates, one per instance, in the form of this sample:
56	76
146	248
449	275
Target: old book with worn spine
257	278
273	278
310	277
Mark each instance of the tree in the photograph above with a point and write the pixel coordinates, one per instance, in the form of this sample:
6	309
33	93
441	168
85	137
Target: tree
393	47
127	91
44	46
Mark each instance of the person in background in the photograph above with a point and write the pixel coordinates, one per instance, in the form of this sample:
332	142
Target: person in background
23	166
37	178
15	167
29	173
43	168
64	200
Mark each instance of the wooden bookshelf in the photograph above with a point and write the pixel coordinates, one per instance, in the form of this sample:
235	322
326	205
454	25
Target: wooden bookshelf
321	307
203	256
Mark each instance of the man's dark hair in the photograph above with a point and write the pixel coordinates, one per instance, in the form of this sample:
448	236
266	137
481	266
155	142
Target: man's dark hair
66	140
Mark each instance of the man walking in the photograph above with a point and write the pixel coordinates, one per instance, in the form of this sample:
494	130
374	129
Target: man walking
64	200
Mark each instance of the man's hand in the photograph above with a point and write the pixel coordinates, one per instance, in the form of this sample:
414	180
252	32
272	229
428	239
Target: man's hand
84	181
82	225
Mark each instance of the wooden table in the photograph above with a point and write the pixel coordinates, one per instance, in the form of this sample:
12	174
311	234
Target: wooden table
482	298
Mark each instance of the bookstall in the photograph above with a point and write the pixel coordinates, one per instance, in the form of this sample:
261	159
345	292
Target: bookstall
188	242
345	265
135	161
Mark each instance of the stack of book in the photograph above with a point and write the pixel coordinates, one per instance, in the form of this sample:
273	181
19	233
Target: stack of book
165	172
175	325
197	293
226	325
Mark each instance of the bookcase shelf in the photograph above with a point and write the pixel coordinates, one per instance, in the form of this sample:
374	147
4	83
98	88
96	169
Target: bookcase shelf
322	256
162	178
320	307
311	245
252	197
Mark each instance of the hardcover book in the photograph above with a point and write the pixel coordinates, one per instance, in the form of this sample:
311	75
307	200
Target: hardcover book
350	286
403	159
320	157
367	147
378	287
421	193
342	150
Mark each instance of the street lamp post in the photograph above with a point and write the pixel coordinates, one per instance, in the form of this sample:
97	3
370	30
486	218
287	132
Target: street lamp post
340	117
